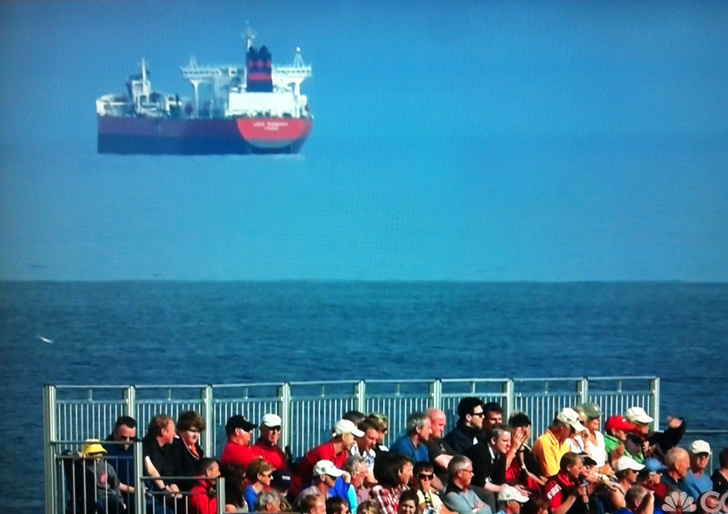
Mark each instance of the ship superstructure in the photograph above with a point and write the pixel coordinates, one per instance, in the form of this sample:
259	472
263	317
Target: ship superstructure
256	107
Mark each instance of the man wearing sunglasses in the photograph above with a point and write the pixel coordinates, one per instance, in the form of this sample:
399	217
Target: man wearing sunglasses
120	448
267	444
468	431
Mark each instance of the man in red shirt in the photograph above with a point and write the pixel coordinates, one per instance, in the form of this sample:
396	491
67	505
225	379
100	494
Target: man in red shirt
563	490
336	451
237	450
203	497
267	444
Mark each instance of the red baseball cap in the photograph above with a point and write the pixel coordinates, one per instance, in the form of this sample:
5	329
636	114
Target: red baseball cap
618	423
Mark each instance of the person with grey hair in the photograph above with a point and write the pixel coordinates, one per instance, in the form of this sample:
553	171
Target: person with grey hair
638	498
458	496
356	466
412	444
677	462
268	501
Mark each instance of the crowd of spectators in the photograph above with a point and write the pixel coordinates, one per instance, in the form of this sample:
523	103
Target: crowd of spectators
483	465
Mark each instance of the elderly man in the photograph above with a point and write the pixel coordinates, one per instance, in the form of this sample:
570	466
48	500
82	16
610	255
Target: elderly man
551	446
469	429
237	451
510	500
677	462
440	451
697	481
643	444
638	499
458	496
267	444
336	451
413	443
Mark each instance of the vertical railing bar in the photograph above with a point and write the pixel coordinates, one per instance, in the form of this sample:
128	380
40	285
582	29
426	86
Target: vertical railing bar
49	435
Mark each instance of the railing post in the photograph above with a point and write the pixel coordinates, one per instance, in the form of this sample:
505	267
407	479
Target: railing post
284	408
510	404
655	390
50	433
584	390
221	496
208	409
361	396
130	402
436	391
139	496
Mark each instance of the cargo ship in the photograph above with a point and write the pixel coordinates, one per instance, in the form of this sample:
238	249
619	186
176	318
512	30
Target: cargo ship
255	108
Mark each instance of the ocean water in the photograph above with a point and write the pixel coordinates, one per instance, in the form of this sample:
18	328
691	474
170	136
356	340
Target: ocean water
217	332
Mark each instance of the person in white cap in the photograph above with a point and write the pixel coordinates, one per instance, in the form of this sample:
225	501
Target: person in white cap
626	472
551	446
697	482
325	474
510	500
336	451
643	444
267	444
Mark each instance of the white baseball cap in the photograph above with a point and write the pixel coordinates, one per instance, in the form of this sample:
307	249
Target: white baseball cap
625	463
271	421
326	467
344	426
638	415
699	447
509	493
571	418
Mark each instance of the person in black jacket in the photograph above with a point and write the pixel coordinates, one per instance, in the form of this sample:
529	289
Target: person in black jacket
186	450
468	431
643	444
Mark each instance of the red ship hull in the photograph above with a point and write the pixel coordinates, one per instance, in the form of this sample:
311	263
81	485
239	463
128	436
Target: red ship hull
160	136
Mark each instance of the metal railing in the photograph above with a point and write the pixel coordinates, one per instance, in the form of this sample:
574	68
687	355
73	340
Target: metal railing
309	410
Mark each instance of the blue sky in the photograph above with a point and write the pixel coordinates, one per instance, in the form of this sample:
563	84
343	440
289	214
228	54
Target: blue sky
487	141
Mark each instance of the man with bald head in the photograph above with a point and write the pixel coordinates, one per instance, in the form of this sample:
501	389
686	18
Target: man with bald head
440	451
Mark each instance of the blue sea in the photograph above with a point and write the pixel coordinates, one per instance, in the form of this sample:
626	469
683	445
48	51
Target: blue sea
217	332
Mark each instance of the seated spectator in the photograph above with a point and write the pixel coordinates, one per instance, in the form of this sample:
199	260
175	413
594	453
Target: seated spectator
158	459
440	451
407	503
260	475
551	446
677	462
720	476
235	483
267	444
313	504
697	481
337	505
469	429
336	451
368	507
365	446
651	478
324	480
107	484
594	444
271	502
356	492
203	496
638	499
354	416
616	429
428	501
392	472
536	504
413	443
237	451
626	473
491	459
281	482
510	500
524	471
458	495
186	450
642	443
381	422
120	448
563	490
493	418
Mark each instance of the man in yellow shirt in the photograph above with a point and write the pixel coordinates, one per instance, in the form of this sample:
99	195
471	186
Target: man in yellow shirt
551	446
